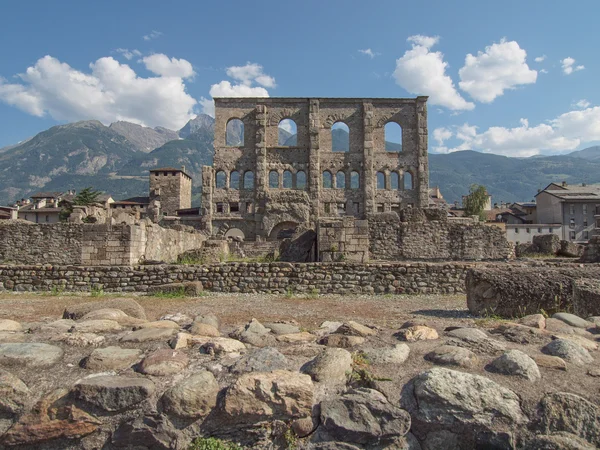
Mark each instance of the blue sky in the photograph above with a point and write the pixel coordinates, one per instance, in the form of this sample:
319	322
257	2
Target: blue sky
158	63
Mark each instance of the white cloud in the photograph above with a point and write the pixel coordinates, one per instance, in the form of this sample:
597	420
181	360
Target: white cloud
543	71
540	58
568	66
247	76
162	65
109	92
370	53
560	135
152	35
420	71
250	73
583	104
502	66
441	135
128	54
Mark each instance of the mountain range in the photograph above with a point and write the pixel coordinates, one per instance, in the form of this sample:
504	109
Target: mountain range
116	159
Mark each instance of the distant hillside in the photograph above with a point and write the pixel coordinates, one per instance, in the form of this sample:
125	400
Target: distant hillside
145	139
590	153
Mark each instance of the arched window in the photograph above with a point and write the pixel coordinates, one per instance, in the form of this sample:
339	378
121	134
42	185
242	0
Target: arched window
354	180
234	134
249	180
287	179
273	179
234	180
393	137
394	181
380	180
220	179
287	133
340	180
340	137
408	181
300	180
327	183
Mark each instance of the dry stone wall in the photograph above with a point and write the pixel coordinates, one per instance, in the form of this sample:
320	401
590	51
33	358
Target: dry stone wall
338	278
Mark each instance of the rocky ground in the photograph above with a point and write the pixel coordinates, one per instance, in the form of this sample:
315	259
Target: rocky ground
330	372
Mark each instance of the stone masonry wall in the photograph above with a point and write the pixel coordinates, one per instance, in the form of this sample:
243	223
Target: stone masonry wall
24	242
338	278
343	239
423	239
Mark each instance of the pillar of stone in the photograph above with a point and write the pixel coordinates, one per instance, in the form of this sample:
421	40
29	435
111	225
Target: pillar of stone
423	160
261	180
314	163
208	184
368	173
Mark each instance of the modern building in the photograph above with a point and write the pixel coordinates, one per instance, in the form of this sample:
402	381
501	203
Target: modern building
524	232
576	207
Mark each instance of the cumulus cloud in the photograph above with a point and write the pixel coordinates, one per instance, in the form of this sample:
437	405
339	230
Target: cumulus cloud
500	67
368	52
540	58
560	135
543	71
421	71
128	54
152	35
441	135
162	65
110	91
568	66
246	78
583	104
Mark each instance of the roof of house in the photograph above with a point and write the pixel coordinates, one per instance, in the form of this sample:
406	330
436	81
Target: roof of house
126	203
30	208
140	200
527	204
575	192
170	169
49	194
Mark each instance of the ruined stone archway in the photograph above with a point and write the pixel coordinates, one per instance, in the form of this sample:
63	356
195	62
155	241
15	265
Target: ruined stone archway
283	230
235	233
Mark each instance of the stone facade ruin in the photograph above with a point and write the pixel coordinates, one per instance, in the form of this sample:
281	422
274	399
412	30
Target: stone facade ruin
172	188
263	188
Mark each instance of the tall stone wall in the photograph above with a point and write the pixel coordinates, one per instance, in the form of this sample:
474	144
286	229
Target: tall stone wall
430	236
332	278
343	239
24	242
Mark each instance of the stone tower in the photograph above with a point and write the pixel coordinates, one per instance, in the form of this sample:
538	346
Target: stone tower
172	187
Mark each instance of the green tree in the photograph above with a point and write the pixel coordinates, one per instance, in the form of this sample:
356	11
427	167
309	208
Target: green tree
87	196
476	200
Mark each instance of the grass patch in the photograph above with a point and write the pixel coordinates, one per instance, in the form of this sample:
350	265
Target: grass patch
213	444
361	376
177	293
96	291
190	260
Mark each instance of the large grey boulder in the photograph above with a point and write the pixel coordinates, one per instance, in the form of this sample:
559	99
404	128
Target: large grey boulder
149	334
395	354
331	366
96	326
298	248
517	363
164	362
476	340
10	325
572	320
13	393
113	393
559	441
469	405
451	355
260	360
364	416
566	412
112	358
127	305
254	333
569	351
192	397
31	355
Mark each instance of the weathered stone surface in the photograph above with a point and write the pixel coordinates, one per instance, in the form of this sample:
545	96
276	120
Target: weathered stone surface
181	340
96	326
113	393
584	342
188	288
264	359
572	320
217	346
517	363
10	325
563	411
352	328
158	324
329	327
395	354
147	432
364	416
181	319
13	393
417	333
569	351
164	362
475	340
149	334
559	441
332	366
521	334
112	358
586	296
341	340
203	329
464	403
112	314
31	355
533	321
282	327
450	355
192	397
570	249
254	333
58	326
127	305
79	339
261	396
296	338
11	336
209	319
550	362
298	247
